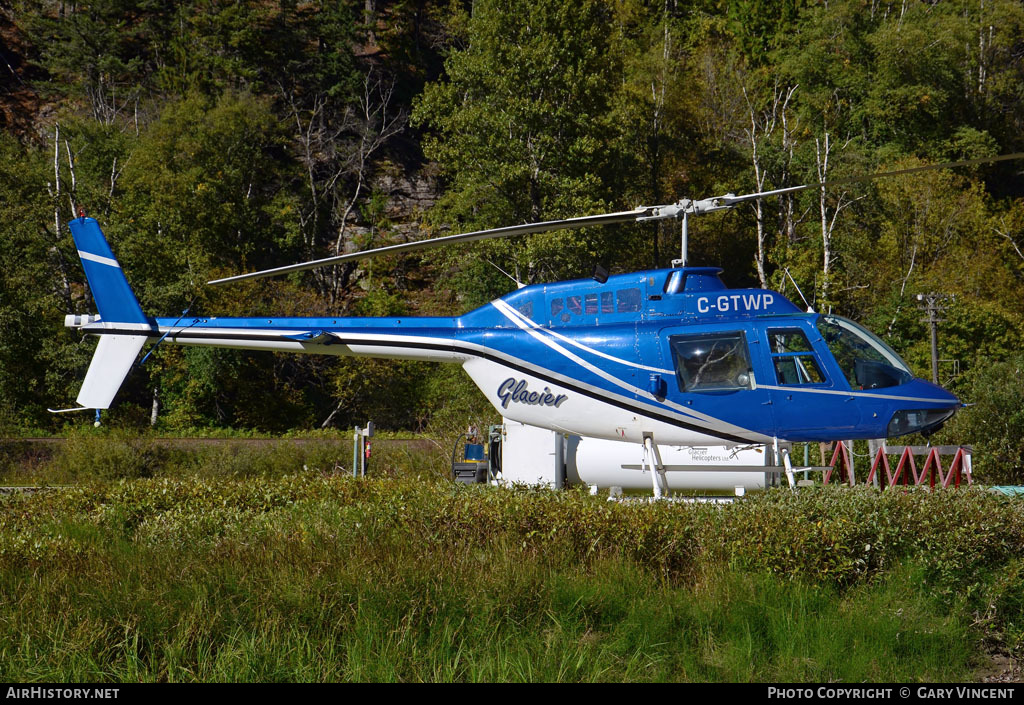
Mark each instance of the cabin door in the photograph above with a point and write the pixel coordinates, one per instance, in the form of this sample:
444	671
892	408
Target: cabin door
807	402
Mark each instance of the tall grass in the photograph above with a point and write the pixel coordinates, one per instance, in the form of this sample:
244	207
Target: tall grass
111	455
307	577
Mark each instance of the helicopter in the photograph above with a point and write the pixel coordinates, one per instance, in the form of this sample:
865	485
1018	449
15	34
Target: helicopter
657	357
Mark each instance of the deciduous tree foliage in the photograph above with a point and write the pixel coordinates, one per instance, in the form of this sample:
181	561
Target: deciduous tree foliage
220	136
523	126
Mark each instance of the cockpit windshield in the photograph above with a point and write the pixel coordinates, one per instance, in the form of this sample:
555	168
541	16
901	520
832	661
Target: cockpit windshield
867	362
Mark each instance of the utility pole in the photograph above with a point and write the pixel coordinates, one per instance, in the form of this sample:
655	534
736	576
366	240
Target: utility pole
933	305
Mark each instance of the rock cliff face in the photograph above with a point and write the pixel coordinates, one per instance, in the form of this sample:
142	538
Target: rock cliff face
409	192
412	193
20	105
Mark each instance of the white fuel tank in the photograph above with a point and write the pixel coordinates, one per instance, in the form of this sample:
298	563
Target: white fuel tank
594	461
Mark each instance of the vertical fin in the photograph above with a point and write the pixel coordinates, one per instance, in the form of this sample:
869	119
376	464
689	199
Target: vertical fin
114	297
116	302
114	356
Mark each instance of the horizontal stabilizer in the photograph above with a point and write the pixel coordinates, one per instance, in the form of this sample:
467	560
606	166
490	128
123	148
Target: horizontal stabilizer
110	364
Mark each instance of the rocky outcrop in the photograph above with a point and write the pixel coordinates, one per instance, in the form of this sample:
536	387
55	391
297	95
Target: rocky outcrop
20	104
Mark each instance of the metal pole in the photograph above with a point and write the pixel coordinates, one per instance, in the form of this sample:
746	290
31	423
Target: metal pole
355	451
686	236
935	344
933	306
649	461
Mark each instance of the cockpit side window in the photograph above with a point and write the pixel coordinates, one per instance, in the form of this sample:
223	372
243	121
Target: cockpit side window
793	357
865	360
715	362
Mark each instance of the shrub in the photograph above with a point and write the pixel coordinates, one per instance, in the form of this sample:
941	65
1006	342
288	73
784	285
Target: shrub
994	423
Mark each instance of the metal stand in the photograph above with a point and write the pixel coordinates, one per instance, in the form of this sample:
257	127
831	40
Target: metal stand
360	446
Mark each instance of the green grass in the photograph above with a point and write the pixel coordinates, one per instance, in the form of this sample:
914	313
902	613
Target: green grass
110	455
251	562
298	602
306	577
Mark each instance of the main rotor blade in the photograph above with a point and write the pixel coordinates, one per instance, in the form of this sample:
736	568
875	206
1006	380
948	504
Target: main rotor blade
508	231
730	199
642	213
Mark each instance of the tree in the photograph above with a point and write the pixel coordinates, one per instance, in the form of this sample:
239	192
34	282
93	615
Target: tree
205	191
771	136
337	146
102	51
522	125
994	425
39	359
762	25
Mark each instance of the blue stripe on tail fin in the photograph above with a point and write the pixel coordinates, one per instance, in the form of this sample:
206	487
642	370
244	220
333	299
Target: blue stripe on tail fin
114	297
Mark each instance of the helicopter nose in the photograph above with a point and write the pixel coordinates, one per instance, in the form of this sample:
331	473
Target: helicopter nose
926	409
940	394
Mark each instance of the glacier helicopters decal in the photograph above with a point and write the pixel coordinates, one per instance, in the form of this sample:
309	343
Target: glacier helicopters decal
666	355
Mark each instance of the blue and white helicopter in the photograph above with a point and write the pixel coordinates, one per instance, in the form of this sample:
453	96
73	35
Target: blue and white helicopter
665	356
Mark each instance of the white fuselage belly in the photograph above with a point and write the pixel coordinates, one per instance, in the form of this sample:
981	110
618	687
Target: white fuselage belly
539	404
